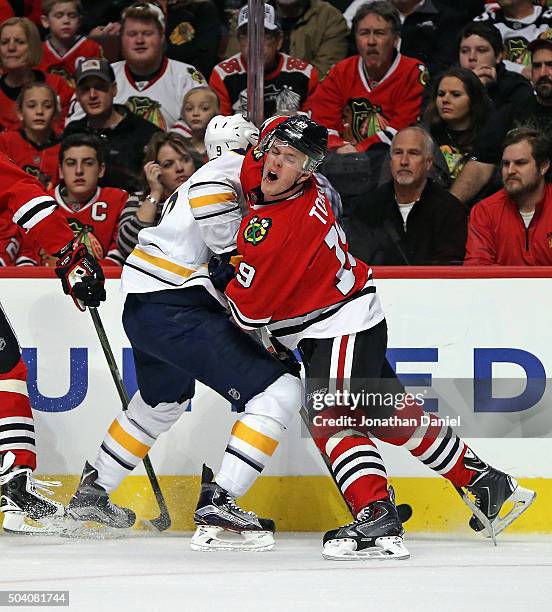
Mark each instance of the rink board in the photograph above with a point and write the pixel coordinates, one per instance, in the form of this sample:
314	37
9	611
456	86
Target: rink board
446	326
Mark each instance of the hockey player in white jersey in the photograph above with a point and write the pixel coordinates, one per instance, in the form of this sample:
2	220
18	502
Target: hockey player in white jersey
180	332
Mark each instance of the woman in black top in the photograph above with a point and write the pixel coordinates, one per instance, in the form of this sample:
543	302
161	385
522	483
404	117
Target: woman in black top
458	108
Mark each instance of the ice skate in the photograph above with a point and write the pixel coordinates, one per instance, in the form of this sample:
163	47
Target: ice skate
223	525
26	510
375	534
91	503
492	489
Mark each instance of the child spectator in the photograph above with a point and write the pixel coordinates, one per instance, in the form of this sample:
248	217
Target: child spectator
169	162
457	109
199	107
35	146
64	47
20	52
92	212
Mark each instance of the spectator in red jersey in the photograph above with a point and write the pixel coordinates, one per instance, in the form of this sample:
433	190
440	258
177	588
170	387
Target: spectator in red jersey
200	105
169	161
64	47
366	98
93	212
288	81
458	108
513	226
35	146
20	51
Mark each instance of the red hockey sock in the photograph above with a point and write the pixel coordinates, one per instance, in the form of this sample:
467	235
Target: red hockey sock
357	467
16	418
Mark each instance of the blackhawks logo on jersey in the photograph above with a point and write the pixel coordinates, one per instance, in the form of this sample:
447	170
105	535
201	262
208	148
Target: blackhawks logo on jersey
256	230
84	234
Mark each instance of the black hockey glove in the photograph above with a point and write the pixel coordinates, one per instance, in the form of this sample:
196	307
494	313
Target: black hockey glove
287	358
221	271
81	276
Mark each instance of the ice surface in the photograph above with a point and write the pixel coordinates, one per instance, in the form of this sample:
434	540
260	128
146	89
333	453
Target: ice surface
160	573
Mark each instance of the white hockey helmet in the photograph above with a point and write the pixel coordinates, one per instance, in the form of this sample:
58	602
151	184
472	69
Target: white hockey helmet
228	134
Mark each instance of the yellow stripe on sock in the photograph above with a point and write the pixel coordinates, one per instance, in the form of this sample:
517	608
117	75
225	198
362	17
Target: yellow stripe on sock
265	444
128	442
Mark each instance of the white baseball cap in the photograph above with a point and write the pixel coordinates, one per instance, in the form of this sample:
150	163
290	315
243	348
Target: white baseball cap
270	22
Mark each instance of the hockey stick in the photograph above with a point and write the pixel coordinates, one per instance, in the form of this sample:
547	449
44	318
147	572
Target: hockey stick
163	521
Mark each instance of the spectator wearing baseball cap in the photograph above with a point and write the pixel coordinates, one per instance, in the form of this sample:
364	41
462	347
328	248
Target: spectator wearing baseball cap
288	81
123	133
313	30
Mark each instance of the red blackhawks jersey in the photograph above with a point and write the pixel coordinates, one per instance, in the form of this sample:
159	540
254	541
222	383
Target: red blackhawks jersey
285	88
40	161
29	207
66	64
373	111
95	223
296	275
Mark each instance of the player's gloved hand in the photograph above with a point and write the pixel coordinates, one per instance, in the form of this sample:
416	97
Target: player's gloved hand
81	276
221	271
287	357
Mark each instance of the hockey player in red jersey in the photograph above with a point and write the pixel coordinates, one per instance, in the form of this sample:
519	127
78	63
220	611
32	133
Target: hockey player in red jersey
298	279
37	214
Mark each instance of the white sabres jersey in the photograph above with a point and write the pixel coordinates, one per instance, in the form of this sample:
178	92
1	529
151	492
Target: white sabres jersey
174	254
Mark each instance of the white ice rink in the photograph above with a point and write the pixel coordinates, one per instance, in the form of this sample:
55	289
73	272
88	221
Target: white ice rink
160	573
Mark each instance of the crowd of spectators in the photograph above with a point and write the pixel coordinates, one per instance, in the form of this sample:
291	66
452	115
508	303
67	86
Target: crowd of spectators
439	114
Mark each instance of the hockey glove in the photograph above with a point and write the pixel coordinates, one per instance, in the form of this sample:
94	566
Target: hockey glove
221	271
81	276
287	358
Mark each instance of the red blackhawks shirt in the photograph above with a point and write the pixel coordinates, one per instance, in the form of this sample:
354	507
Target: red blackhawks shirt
285	88
24	202
95	223
65	65
296	275
373	111
39	160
